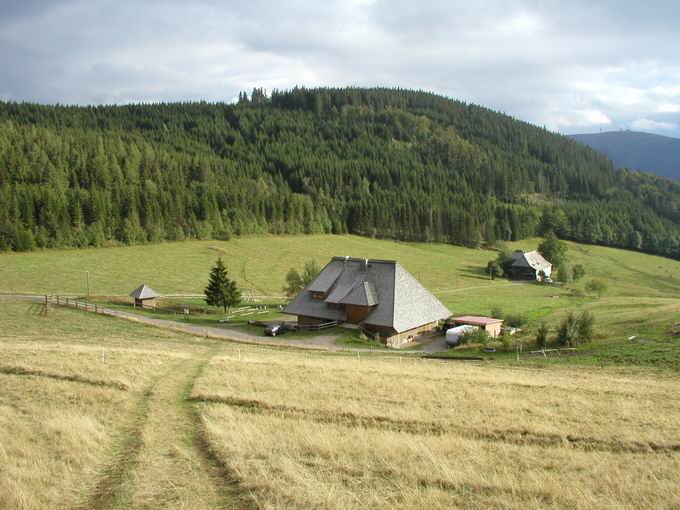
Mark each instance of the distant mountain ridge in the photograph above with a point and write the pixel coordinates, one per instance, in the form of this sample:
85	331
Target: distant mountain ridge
638	151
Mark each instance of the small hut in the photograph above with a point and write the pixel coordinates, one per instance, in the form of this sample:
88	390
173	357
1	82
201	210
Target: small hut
489	324
144	296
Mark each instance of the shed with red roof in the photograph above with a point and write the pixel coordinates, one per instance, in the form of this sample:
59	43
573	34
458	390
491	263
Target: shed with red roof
489	324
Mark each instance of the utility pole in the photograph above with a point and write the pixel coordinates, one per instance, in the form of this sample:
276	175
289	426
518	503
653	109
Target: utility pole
88	284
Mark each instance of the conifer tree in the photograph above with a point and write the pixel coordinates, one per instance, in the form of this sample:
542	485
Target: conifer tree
221	290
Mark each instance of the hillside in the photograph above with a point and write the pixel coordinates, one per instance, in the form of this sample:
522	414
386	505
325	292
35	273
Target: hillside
637	151
375	162
641	297
175	421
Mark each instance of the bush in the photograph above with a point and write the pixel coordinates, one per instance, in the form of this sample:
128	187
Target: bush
573	330
516	320
586	326
564	272
596	286
496	312
567	331
578	272
494	269
542	335
478	336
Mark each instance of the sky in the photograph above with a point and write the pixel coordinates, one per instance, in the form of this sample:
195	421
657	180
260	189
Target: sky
572	66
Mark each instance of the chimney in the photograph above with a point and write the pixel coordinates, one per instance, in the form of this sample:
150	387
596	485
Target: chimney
364	264
346	258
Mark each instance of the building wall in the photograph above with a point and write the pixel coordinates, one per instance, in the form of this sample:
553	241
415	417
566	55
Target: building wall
392	339
493	330
356	313
146	303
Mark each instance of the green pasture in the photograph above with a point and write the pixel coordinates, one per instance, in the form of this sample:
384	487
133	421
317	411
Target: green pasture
643	295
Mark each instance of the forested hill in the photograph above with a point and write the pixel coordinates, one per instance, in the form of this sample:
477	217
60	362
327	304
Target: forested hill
379	162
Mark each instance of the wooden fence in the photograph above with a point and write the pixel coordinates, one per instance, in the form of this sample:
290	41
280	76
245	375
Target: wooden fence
79	304
317	327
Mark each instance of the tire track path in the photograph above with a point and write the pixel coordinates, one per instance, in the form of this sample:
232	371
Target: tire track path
163	460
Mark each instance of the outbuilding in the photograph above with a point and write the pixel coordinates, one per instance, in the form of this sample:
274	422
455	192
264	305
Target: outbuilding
144	296
489	324
529	265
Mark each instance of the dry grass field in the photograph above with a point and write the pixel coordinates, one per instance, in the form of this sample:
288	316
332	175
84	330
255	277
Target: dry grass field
322	432
169	420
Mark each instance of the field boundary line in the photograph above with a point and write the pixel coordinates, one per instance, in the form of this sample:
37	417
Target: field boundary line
21	370
513	436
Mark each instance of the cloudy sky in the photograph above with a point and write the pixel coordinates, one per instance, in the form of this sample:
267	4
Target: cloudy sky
576	66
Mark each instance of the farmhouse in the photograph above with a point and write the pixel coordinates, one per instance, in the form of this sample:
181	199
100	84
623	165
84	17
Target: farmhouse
378	295
489	324
144	296
529	265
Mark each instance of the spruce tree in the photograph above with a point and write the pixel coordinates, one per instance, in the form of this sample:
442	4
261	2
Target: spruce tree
221	291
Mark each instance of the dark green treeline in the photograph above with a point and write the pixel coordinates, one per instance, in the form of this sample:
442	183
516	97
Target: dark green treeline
379	162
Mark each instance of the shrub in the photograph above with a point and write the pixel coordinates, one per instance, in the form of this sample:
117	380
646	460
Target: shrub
567	331
578	272
599	287
564	272
542	335
494	269
478	336
516	320
573	330
496	312
586	326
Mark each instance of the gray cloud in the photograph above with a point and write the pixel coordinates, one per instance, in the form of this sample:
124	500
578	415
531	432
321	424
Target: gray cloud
572	66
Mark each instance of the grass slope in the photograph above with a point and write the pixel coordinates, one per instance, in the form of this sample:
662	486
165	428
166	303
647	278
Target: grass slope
189	422
642	296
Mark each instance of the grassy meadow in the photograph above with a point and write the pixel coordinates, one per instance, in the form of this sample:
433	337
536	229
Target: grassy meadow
643	295
98	412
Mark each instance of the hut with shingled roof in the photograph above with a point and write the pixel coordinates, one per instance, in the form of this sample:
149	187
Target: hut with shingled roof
144	296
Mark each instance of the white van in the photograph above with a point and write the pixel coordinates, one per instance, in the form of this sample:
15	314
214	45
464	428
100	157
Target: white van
453	335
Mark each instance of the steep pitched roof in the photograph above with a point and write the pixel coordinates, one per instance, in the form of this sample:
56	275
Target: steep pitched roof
143	292
399	301
531	259
364	295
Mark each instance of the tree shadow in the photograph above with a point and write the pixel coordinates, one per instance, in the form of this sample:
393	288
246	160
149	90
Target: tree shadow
476	272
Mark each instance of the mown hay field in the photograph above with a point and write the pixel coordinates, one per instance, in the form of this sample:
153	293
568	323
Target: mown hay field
345	432
165	419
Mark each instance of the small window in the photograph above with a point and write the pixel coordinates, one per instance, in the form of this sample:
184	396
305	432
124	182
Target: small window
317	295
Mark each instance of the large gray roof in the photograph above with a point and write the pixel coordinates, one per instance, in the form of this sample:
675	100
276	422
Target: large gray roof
143	292
531	259
399	300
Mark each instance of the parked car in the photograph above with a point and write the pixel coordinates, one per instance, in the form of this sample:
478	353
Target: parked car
276	329
547	279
